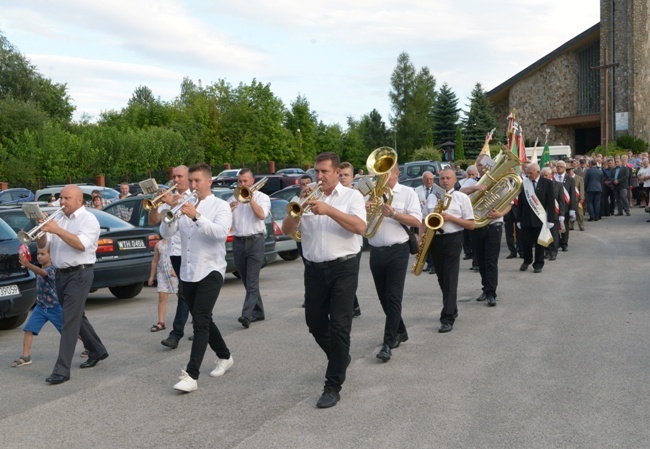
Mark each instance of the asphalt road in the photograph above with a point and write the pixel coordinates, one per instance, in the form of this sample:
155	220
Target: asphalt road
563	361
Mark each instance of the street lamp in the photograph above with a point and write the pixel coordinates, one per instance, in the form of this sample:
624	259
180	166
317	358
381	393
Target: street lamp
300	145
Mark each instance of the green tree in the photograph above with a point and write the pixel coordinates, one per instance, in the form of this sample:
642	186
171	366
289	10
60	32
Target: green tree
445	115
373	131
479	121
302	123
460	145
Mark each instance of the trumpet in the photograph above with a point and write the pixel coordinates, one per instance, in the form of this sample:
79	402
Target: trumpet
171	215
35	233
245	194
295	209
154	203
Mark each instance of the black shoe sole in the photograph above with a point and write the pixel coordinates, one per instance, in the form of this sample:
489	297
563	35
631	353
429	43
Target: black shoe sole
383	357
244	322
169	344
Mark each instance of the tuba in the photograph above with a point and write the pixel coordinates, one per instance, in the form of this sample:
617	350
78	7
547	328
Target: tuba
380	163
433	222
245	194
502	187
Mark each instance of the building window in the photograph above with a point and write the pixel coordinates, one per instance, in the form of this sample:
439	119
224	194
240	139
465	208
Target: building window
589	80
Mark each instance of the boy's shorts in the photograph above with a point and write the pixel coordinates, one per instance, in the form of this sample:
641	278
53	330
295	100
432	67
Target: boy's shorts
41	315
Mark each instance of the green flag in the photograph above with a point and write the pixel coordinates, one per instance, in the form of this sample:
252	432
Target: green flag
546	156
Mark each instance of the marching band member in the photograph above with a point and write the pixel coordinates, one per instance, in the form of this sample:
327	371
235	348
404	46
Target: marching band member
249	230
345	178
73	241
423	193
535	217
389	257
179	177
330	246
203	228
446	247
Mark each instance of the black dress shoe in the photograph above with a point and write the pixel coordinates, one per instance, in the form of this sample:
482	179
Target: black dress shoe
329	398
565	249
553	257
468	257
90	363
244	321
170	342
404	336
384	353
491	301
433	269
591	219
356	312
56	379
257	318
512	256
523	267
483	297
537	270
619	214
446	327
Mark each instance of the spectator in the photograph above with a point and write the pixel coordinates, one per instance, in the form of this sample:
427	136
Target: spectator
124	191
167	282
644	177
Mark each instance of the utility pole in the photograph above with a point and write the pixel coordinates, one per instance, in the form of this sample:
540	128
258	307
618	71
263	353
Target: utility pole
606	68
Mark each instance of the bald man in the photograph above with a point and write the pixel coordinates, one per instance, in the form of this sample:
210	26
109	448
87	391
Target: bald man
73	241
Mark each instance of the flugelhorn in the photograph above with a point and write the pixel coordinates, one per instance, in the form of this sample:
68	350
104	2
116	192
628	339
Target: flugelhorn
171	215
35	233
154	203
244	194
295	209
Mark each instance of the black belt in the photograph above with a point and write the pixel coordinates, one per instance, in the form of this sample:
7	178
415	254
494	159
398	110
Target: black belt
329	263
448	234
75	268
496	225
386	248
249	237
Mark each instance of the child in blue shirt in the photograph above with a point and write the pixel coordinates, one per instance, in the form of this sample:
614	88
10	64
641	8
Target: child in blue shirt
47	307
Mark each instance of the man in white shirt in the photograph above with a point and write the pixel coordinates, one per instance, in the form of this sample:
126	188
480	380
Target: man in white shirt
330	246
179	178
203	228
73	241
423	193
345	178
446	246
249	230
389	259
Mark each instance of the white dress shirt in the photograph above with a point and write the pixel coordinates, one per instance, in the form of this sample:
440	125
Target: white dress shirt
84	225
175	240
391	232
203	242
323	239
244	221
460	207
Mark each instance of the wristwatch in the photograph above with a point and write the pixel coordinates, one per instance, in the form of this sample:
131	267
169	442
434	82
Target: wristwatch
196	217
393	214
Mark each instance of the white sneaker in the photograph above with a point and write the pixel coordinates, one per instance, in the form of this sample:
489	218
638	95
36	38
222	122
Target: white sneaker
187	384
223	365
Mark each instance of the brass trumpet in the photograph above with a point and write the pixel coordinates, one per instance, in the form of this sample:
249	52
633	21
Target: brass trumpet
295	209
171	215
35	233
154	203
245	194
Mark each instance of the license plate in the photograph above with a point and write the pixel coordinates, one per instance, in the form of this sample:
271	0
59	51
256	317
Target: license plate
9	290
131	244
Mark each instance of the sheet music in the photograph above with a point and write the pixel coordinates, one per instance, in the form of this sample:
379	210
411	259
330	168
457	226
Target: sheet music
149	186
33	211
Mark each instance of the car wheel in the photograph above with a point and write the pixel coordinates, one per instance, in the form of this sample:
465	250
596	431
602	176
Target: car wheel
290	255
127	291
236	274
13	322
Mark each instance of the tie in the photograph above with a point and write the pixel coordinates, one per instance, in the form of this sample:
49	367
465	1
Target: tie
534	185
427	195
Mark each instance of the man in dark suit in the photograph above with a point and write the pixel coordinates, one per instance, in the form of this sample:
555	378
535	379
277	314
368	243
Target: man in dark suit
580	198
527	219
594	186
560	209
621	182
569	198
608	203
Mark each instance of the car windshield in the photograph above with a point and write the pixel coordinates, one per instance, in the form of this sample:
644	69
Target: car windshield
222	193
227	174
6	233
278	209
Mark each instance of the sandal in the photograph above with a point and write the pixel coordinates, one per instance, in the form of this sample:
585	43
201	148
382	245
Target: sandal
159	326
22	361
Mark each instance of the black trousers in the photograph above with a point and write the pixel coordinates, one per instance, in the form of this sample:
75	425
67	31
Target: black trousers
329	298
528	241
72	290
593	204
388	265
564	236
182	311
249	260
201	297
512	237
445	250
487	246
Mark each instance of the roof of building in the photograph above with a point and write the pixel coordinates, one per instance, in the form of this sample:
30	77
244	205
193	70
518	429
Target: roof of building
586	37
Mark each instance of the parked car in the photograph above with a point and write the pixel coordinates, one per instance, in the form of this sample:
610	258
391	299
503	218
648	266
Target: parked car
45	193
290	171
416	169
232	173
287	193
138	216
17	283
273	183
15	196
124	252
284	244
412	182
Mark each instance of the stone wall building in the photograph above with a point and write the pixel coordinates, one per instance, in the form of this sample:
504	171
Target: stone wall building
565	91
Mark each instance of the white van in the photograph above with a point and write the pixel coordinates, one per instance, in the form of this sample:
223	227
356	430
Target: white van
557	152
45	193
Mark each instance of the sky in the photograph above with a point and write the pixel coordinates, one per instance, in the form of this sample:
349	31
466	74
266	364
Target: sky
338	54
